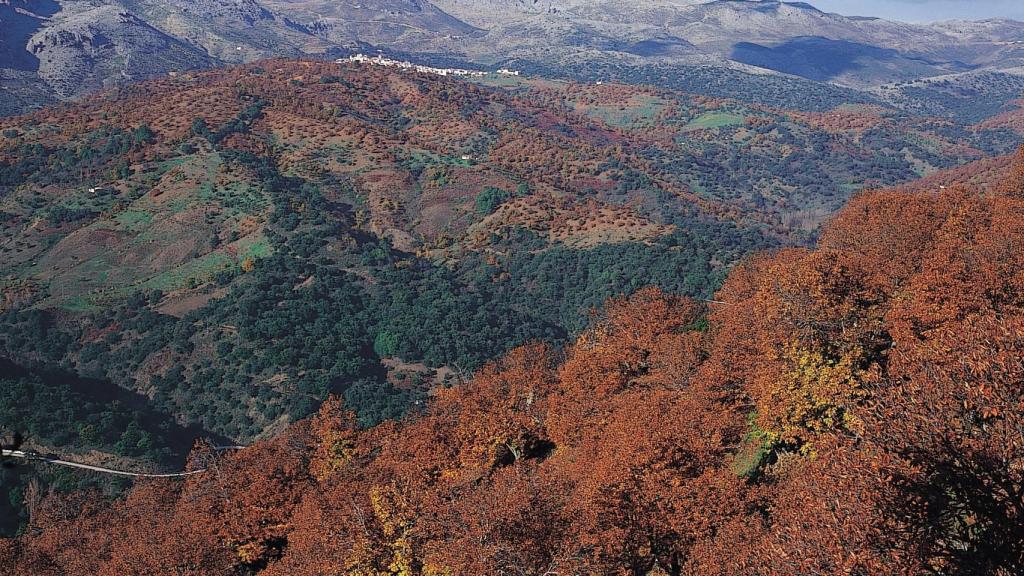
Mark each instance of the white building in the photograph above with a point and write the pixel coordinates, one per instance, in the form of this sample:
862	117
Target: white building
405	65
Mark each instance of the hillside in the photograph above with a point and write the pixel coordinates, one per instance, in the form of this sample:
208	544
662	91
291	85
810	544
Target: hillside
162	236
509	287
60	50
788	37
226	249
852	408
151	231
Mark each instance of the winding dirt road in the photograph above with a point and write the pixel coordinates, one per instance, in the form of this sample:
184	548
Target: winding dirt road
40	458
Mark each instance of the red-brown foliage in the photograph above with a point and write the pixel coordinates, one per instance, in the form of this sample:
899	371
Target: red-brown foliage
855	409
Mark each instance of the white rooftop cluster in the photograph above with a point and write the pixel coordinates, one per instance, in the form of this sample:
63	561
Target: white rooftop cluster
405	65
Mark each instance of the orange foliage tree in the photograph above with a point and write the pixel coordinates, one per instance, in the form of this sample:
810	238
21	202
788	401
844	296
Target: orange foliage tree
853	409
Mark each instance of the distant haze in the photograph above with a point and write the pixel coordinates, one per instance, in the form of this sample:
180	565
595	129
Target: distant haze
926	10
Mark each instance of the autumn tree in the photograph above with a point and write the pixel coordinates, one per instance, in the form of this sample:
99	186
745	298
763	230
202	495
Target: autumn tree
850	409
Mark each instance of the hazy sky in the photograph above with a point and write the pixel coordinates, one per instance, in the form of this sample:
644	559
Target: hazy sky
925	10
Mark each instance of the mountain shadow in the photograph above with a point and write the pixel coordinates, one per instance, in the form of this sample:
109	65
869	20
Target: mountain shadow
664	46
824	59
62	394
18	22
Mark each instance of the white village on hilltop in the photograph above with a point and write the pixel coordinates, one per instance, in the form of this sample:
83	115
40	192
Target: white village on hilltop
405	65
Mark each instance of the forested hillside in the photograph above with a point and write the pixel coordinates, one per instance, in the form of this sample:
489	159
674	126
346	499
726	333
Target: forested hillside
239	244
216	254
236	245
849	409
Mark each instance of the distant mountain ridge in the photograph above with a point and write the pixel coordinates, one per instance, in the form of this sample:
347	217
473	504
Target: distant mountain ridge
62	49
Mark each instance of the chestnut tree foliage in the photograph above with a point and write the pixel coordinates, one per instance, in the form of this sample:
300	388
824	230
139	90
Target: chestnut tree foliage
853	409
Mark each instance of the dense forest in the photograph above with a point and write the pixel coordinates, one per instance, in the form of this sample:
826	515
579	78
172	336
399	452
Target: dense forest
60	411
854	408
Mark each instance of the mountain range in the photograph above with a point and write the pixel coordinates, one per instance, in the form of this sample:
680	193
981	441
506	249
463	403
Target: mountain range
57	49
